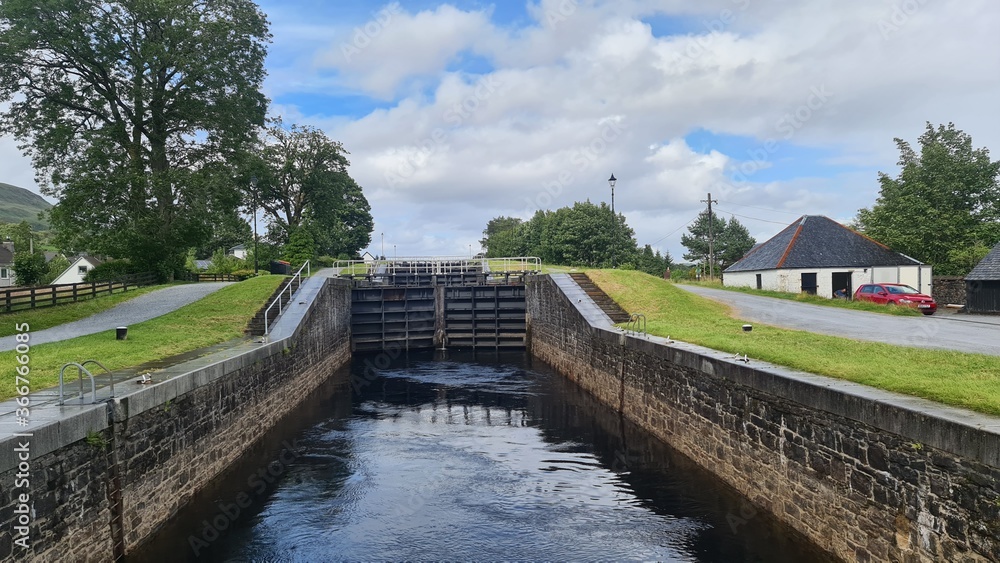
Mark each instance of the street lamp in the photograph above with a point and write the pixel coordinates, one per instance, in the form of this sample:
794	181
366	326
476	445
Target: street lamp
253	186
614	220
383	246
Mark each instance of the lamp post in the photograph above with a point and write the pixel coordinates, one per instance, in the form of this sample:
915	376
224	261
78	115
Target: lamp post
383	246
614	220
253	187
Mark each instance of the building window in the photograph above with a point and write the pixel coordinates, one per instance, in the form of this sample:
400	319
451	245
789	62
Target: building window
4	274
82	270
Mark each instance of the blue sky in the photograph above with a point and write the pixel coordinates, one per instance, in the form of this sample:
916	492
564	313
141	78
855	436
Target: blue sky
456	112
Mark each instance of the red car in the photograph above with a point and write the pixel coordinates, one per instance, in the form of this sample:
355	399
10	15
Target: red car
896	294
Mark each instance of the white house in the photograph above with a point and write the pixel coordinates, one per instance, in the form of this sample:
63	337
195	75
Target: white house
7	264
78	268
815	254
239	251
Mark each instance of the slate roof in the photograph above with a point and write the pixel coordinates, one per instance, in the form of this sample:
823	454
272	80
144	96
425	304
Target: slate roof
6	256
989	268
815	241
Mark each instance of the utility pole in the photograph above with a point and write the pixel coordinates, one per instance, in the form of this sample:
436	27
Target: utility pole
711	238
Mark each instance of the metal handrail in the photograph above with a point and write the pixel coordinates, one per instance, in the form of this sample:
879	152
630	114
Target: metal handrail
636	324
277	298
440	265
80	370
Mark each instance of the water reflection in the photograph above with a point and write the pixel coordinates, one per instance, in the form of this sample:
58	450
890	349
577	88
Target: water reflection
474	457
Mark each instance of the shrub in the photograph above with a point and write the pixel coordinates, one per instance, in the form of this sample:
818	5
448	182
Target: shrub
244	273
108	271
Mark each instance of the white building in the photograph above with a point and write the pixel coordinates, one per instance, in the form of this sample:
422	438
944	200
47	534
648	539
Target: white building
815	254
7	264
77	270
239	251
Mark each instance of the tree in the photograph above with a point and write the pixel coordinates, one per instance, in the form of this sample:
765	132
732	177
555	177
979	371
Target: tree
304	184
300	248
130	112
56	266
504	236
945	199
731	241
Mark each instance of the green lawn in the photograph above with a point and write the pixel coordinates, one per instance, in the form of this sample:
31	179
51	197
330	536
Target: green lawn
217	318
954	378
48	317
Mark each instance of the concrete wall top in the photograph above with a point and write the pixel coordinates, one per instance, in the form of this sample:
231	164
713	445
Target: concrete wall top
958	431
53	426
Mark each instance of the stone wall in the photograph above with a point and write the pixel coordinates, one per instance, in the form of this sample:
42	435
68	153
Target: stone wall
949	289
864	474
139	458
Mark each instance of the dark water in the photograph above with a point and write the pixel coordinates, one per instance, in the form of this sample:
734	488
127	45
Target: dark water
460	458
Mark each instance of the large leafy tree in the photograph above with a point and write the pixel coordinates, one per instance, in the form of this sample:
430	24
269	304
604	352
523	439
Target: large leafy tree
583	235
130	111
303	184
504	236
945	199
730	241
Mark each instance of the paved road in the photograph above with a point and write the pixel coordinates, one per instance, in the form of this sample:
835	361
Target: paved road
142	308
943	330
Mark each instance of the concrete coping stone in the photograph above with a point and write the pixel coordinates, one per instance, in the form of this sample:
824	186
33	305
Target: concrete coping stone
53	426
959	431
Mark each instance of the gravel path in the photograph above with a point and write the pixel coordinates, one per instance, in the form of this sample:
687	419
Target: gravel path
942	331
142	308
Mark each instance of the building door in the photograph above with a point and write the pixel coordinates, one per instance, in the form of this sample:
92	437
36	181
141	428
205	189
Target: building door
841	280
808	284
760	285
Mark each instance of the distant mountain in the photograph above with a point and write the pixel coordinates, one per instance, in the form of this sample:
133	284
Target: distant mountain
18	204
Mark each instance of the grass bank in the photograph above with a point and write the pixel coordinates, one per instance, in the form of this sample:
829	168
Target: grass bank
48	317
964	380
216	318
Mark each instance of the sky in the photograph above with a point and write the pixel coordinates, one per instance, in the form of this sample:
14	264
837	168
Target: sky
458	112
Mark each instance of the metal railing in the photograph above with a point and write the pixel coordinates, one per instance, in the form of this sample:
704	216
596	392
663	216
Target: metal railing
636	324
438	265
297	281
80	371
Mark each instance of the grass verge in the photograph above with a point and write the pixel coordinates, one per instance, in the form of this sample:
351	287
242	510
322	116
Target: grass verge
954	378
816	299
216	318
48	317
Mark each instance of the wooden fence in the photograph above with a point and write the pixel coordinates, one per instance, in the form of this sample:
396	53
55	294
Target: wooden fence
213	278
20	298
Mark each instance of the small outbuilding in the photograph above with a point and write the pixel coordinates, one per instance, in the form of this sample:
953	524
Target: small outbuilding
818	255
982	285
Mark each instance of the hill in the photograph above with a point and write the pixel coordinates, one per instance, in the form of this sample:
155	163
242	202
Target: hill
18	204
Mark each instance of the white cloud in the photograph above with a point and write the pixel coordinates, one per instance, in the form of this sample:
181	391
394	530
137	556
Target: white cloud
455	146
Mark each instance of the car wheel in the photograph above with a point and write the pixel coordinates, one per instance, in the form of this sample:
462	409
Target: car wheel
928	313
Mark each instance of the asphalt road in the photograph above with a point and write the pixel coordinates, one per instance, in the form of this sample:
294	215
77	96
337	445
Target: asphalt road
142	308
944	330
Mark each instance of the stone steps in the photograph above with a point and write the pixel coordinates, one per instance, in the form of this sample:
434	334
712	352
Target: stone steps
606	303
256	325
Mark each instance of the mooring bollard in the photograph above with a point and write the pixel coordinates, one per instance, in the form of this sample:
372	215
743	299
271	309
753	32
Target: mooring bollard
121	333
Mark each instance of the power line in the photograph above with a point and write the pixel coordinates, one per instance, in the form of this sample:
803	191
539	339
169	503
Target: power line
762	208
695	218
752	218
